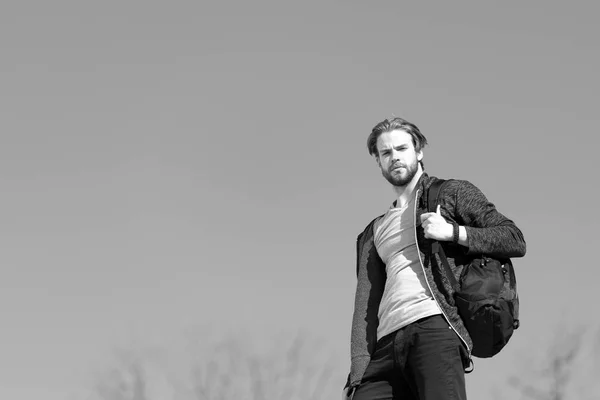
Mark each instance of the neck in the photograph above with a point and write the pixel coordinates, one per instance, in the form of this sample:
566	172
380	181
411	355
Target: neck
404	193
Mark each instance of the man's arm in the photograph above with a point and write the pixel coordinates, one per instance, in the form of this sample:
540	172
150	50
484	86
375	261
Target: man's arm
479	227
370	285
483	228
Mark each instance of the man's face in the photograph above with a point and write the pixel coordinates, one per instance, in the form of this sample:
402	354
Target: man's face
397	157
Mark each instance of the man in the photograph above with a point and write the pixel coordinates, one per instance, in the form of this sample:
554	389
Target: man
408	341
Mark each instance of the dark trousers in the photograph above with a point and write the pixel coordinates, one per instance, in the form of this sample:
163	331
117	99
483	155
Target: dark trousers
422	361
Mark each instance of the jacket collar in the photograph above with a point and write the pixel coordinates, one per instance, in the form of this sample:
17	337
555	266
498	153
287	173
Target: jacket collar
423	183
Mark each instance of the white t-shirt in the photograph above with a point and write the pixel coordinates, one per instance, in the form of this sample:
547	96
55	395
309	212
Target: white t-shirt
406	297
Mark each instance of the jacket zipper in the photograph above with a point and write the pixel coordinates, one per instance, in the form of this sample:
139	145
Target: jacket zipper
427	281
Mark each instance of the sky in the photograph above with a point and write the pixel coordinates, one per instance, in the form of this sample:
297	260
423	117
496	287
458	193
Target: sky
169	167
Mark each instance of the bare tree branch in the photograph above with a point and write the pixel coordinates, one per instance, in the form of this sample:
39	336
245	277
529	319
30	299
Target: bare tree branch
293	367
555	381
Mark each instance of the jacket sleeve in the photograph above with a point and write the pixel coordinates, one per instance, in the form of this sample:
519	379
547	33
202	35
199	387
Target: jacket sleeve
369	290
488	231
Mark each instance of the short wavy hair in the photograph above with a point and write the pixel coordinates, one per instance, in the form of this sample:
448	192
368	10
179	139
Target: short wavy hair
389	125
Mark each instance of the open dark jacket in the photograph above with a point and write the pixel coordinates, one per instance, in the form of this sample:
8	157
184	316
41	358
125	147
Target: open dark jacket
488	232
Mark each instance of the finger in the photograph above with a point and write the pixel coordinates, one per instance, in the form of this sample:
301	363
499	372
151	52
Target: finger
437	211
426	216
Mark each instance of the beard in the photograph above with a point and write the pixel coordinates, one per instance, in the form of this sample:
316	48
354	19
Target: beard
403	176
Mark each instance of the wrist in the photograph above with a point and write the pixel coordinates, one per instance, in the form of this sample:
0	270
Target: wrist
463	238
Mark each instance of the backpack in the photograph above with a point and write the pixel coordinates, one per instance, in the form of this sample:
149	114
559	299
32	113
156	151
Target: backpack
485	294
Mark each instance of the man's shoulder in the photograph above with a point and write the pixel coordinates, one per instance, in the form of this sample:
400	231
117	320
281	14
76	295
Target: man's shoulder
453	185
463	187
369	228
456	191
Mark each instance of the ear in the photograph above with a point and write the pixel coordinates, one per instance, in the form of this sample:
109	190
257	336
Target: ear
420	155
377	161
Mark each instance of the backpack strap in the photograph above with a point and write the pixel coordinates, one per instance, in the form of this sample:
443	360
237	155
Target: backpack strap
433	194
432	202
